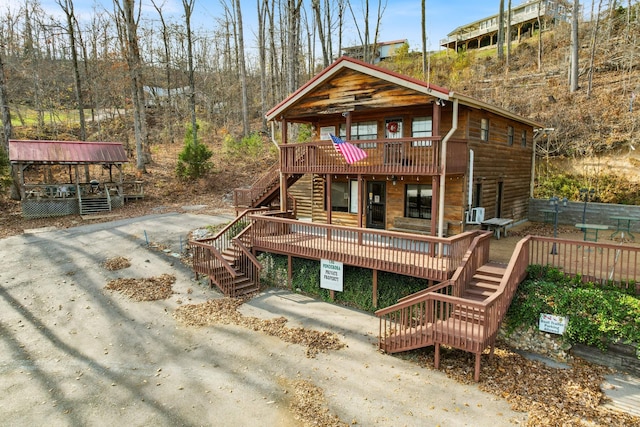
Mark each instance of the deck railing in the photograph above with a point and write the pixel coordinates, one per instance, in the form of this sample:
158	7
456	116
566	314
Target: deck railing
396	156
440	315
595	262
246	196
418	256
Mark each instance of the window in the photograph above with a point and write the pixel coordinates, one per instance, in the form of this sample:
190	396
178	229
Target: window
421	127
484	129
361	131
523	140
344	196
477	195
418	201
510	135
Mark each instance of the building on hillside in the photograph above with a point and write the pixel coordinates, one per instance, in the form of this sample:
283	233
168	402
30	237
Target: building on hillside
438	162
381	51
524	21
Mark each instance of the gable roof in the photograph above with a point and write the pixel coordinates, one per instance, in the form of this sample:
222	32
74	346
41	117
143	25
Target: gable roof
68	152
419	86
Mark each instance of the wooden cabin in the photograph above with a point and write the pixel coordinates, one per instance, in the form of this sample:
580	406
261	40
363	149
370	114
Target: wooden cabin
438	162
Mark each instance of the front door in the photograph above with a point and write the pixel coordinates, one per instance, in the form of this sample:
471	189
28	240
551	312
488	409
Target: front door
376	204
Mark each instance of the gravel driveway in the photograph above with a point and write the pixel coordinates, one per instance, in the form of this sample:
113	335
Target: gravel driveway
73	353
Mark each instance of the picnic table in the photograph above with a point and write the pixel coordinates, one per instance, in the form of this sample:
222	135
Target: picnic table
497	225
586	228
623	226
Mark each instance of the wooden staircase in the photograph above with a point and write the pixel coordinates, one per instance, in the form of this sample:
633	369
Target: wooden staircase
226	258
464	312
485	282
263	192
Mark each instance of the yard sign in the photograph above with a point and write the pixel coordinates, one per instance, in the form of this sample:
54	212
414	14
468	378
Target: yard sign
331	275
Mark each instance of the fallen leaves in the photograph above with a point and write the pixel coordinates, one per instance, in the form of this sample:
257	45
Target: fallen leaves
116	263
224	311
550	396
310	407
149	289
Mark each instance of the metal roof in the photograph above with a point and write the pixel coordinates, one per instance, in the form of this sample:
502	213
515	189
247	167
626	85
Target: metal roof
68	152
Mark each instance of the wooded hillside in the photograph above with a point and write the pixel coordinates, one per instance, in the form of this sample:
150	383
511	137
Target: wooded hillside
143	81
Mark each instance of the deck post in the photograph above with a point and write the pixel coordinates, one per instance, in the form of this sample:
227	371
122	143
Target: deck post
289	272
374	296
436	357
476	375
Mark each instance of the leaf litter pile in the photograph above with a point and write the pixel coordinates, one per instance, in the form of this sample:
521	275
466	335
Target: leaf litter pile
116	263
310	407
550	396
148	289
224	311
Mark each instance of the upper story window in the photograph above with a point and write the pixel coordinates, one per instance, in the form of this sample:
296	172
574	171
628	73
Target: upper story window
510	135
361	131
421	127
523	140
484	129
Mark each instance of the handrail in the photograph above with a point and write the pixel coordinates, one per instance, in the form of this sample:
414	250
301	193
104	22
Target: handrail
421	256
218	256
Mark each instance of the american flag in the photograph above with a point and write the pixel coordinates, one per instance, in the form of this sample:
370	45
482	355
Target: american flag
350	152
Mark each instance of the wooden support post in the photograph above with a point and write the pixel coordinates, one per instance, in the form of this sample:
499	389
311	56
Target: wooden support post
332	295
436	357
374	295
476	375
289	272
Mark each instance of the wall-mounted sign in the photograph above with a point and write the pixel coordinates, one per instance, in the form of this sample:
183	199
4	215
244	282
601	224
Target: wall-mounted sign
331	275
553	324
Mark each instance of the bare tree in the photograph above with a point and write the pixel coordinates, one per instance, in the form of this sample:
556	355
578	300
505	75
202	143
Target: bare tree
539	37
594	39
508	33
67	8
315	4
262	58
128	30
168	120
575	42
188	11
368	42
424	40
501	31
242	71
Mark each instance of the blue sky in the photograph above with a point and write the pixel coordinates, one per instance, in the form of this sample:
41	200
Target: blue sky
401	20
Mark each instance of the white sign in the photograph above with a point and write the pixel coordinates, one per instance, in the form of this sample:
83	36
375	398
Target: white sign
553	324
331	275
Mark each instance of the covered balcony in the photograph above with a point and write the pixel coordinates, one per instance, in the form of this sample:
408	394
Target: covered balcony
402	156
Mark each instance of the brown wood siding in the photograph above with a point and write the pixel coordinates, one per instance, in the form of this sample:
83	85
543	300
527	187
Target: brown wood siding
351	90
302	191
395	202
497	161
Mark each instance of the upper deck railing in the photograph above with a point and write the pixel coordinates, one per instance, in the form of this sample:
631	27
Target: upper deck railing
419	156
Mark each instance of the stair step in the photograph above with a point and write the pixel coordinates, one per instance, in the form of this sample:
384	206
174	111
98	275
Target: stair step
492	269
491	285
474	291
487	279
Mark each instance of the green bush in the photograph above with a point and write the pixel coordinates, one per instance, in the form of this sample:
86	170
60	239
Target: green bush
358	283
250	146
598	314
193	160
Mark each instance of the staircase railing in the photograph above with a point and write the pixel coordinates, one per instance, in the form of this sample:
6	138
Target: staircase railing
246	196
246	262
209	260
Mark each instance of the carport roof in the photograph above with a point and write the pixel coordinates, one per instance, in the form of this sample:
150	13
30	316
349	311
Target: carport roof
68	152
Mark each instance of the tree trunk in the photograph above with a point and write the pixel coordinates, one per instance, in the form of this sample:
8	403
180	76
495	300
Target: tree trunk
67	8
501	31
575	42
188	10
592	55
243	72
